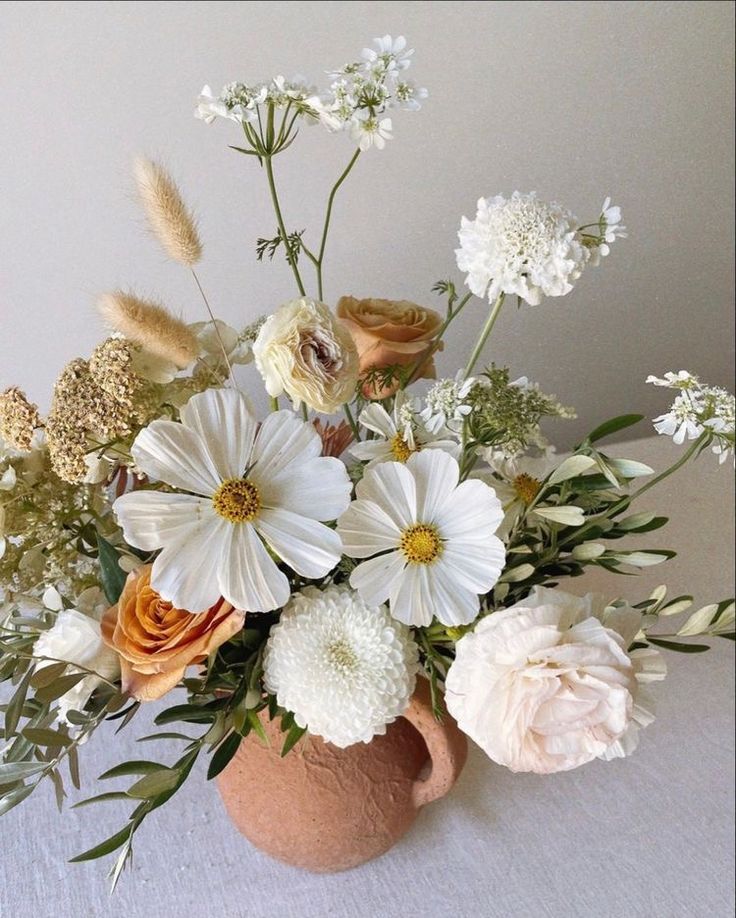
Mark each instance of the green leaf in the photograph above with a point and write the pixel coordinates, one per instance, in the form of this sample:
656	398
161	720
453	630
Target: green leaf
47	674
189	713
135	767
58	687
15	705
160	736
614	425
674	645
255	722
44	737
566	516
105	847
630	468
516	574
15	797
571	468
224	752
100	798
112	576
292	738
155	783
19	771
676	605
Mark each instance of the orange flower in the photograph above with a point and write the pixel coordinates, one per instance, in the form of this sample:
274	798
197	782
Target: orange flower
157	642
335	437
390	333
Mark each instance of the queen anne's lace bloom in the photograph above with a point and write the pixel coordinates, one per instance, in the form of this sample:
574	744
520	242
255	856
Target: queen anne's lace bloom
344	668
521	246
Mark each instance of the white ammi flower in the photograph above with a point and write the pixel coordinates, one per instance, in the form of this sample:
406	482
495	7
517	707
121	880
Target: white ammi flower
430	540
344	668
520	246
549	683
75	638
370	131
244	486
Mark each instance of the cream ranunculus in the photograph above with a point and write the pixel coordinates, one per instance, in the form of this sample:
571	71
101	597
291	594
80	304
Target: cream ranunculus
303	351
548	684
76	638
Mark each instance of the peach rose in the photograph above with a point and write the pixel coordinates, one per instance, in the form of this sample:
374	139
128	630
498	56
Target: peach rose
157	642
390	333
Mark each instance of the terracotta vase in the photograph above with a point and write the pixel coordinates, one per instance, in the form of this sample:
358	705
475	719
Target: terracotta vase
328	809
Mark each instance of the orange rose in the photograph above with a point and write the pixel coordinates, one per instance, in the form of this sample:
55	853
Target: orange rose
156	642
390	333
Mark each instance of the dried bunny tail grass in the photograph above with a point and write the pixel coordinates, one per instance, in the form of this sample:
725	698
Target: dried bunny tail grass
169	217
151	326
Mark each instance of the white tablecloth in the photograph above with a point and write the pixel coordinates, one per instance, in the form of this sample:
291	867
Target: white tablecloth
648	836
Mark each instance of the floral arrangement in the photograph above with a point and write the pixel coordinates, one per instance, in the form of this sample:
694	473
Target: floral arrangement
157	533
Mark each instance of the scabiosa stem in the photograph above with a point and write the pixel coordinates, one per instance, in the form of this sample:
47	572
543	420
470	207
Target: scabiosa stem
487	329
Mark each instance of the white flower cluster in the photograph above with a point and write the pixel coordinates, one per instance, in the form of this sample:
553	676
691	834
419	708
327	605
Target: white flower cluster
697	409
345	668
445	406
526	247
358	99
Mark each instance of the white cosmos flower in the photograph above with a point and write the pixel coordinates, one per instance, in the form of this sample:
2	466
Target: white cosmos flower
400	434
243	486
520	246
549	683
430	540
344	668
516	481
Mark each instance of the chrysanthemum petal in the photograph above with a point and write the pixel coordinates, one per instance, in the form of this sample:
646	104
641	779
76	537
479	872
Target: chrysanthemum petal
151	519
365	528
317	488
308	547
223	421
436	475
184	572
282	439
375	578
170	452
391	486
248	576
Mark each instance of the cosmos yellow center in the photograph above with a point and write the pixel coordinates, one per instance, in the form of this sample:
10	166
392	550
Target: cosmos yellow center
421	544
237	500
400	449
526	487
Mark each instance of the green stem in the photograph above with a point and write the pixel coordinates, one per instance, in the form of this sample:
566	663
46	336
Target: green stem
328	216
487	329
214	325
416	367
280	219
274	403
351	421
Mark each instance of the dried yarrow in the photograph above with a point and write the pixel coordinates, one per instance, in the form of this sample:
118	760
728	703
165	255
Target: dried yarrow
18	418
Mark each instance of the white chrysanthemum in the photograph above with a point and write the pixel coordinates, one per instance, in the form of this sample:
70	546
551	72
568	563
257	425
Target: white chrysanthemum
549	683
344	668
520	246
399	435
244	486
430	540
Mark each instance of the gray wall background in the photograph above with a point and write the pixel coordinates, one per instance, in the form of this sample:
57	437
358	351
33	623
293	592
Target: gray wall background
573	100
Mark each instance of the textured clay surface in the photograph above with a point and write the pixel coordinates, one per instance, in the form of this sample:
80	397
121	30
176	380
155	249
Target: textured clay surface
327	809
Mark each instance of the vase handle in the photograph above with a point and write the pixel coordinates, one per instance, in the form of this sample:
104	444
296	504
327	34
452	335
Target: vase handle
446	743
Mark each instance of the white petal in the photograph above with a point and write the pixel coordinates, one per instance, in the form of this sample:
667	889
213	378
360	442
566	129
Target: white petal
376	418
453	604
308	547
411	597
185	573
472	510
374	579
436	475
170	452
366	529
248	576
474	565
317	488
391	486
224	423
283	438
368	450
151	519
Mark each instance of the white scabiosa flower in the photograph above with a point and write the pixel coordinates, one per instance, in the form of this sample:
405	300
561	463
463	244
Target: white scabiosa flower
549	683
521	246
343	667
75	638
243	485
429	540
